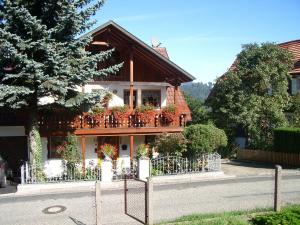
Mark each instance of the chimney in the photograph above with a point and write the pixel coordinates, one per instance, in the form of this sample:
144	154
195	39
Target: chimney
161	50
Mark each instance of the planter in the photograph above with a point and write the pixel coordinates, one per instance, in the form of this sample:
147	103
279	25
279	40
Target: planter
106	171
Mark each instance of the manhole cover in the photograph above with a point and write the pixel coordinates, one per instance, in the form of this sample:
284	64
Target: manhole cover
54	209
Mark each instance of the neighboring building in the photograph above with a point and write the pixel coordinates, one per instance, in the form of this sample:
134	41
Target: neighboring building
294	48
147	77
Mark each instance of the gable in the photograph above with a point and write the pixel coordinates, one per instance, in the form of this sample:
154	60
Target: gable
149	65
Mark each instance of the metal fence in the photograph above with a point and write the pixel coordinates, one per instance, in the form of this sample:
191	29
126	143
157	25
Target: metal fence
121	169
135	194
38	174
177	165
31	174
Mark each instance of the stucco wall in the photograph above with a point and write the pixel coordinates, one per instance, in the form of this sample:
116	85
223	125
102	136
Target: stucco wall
54	167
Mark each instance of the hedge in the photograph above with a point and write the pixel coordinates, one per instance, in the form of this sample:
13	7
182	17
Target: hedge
287	139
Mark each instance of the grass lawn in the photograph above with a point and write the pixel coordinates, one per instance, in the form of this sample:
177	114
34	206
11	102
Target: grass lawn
239	217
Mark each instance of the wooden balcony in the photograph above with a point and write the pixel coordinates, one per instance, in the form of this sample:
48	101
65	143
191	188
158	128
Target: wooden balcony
108	124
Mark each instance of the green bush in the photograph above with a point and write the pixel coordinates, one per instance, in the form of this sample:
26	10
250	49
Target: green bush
287	139
288	216
170	144
204	138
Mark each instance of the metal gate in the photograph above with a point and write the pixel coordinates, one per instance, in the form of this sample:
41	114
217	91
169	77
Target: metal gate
136	194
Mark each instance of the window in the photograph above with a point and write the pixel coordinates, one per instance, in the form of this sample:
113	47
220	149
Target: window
53	145
297	85
151	97
126	97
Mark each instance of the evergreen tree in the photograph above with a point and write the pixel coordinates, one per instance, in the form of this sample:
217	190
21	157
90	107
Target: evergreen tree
42	56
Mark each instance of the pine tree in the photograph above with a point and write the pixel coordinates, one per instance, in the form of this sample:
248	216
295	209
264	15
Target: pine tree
42	56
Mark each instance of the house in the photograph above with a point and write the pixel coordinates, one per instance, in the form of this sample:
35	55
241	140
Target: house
148	76
294	79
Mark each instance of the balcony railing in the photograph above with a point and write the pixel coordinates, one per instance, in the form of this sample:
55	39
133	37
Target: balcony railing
108	120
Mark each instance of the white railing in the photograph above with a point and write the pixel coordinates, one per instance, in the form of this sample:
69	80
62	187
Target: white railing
168	165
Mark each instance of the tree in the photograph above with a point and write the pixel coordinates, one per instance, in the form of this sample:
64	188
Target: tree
41	55
197	90
199	112
204	139
70	152
253	96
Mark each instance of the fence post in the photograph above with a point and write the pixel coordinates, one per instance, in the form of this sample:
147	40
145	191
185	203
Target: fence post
277	191
22	174
98	203
203	162
149	201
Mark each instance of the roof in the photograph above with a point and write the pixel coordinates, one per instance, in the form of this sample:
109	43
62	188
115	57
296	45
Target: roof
293	47
141	43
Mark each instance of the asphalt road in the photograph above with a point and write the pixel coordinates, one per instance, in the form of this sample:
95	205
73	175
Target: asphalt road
170	201
65	209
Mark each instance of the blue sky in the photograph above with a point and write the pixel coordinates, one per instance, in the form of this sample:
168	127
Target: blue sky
204	36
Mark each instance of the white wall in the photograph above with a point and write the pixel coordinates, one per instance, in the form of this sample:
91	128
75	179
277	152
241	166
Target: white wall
12	131
116	88
125	140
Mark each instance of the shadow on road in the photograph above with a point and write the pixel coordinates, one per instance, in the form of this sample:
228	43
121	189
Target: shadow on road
77	222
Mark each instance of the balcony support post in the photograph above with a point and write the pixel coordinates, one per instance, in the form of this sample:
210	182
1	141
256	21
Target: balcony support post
131	82
83	152
131	146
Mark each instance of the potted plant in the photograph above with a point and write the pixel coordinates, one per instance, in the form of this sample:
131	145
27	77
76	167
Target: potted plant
169	113
142	151
145	113
106	99
109	151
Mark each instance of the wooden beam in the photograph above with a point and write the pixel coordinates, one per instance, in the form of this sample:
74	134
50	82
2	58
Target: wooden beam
128	131
102	43
131	82
131	147
83	152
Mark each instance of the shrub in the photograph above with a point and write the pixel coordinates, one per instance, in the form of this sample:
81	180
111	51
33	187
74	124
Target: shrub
204	138
290	215
287	139
70	152
171	144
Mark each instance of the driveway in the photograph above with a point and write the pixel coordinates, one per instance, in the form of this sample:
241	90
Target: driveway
242	169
